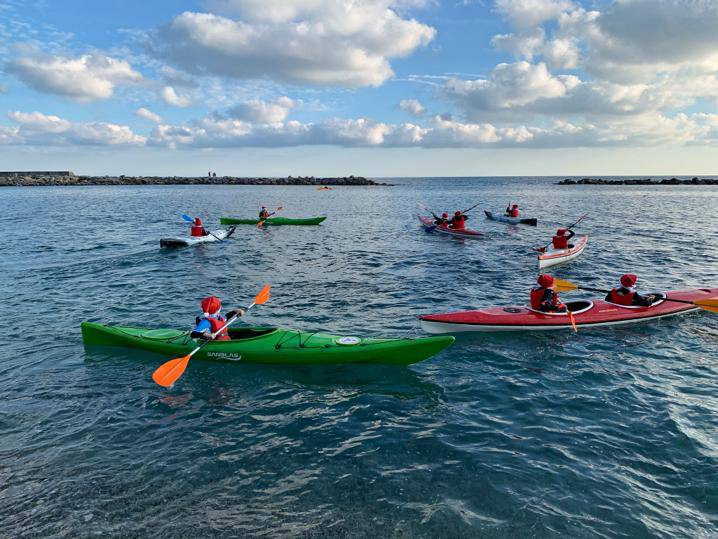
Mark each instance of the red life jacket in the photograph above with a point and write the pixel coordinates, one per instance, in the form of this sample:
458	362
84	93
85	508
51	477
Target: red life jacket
560	242
216	324
621	299
537	298
197	231
458	222
514	212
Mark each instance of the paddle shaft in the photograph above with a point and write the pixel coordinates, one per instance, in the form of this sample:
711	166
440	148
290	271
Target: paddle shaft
607	291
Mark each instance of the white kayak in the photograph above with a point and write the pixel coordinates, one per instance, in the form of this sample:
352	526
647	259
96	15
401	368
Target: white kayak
186	241
554	257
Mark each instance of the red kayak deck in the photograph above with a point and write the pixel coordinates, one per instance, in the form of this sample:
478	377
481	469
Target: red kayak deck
586	313
465	233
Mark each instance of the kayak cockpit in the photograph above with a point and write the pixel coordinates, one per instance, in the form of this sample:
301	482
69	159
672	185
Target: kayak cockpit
658	298
576	307
240	334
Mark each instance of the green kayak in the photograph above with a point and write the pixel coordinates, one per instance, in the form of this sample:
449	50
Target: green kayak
276	221
270	345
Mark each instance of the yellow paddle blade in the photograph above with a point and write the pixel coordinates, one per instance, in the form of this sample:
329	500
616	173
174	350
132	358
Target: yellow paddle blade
564	286
573	321
263	296
168	373
707	304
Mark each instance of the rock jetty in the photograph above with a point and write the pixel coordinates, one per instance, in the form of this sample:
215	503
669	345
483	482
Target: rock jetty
640	181
20	179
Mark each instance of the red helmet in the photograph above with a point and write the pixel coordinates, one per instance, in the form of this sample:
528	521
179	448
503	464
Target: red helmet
561	231
628	280
211	305
515	206
457	213
545	280
197	221
445	215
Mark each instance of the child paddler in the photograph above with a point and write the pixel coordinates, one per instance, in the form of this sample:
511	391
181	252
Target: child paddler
627	295
212	321
544	298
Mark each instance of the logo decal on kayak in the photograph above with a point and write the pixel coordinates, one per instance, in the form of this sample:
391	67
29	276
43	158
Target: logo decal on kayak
229	356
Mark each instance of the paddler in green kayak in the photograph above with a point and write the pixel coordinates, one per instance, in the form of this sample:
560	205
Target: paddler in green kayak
544	298
211	321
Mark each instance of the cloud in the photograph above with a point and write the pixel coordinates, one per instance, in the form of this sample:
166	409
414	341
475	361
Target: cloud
322	42
176	78
85	78
530	13
172	98
147	114
412	106
508	86
38	129
263	112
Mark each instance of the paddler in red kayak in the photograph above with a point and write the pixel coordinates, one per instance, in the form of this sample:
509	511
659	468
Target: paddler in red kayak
544	298
197	229
512	210
458	221
443	220
626	293
560	240
212	321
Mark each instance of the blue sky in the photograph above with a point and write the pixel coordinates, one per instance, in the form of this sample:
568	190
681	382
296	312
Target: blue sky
367	87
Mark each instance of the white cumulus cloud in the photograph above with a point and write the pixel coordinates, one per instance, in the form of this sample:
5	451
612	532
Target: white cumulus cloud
147	114
171	97
85	78
412	106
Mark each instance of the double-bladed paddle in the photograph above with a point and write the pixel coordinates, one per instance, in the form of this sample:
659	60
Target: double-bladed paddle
710	304
169	372
190	220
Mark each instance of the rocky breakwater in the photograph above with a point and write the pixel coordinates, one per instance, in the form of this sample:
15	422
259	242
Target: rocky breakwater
640	181
34	180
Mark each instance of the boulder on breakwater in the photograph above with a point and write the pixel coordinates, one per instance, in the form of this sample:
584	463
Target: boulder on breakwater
641	181
35	179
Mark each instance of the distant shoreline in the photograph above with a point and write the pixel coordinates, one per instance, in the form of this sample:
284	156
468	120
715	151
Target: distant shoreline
641	181
20	179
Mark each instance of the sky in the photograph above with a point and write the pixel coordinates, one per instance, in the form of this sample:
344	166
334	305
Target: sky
377	88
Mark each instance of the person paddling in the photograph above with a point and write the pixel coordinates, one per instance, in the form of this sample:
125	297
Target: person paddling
212	321
458	221
264	213
198	229
626	293
512	210
544	298
443	220
560	240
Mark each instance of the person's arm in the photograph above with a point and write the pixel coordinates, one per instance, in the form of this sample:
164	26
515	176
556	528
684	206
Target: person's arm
238	312
202	330
642	301
571	234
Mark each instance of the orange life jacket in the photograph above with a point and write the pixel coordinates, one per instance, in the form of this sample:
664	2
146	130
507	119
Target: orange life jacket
560	242
621	299
217	324
537	299
197	231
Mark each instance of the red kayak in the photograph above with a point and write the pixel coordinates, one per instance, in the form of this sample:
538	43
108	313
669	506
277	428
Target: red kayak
428	222
586	313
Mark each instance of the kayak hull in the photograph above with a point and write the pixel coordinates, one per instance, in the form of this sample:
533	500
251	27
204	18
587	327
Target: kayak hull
587	314
513	220
188	241
554	257
276	221
466	233
269	345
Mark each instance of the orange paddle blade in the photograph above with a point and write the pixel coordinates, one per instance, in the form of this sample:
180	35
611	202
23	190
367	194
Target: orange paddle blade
707	304
263	296
573	321
564	286
259	224
168	373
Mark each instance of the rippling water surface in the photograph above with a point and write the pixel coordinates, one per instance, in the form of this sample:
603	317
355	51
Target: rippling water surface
604	433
